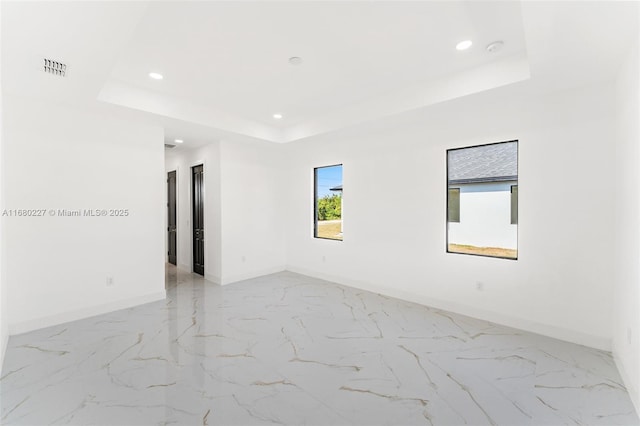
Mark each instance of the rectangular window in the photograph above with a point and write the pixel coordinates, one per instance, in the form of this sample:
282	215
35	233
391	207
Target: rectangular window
514	204
482	182
453	205
327	216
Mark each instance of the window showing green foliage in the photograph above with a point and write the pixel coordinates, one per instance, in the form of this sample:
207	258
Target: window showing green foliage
330	207
328	202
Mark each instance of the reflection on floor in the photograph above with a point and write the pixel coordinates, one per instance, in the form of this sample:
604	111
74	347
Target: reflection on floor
289	349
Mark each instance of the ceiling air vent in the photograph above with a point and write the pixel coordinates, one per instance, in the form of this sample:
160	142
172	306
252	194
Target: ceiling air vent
169	146
55	67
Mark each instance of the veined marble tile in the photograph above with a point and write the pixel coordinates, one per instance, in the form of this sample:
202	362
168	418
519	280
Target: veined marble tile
293	350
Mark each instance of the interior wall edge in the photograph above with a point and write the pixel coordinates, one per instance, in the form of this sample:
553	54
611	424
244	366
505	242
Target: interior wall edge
628	381
211	278
3	349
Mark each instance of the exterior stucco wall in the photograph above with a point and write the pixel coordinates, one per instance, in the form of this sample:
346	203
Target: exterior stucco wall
485	216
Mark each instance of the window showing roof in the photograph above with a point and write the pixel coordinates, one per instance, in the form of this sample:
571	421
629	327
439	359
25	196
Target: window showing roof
496	162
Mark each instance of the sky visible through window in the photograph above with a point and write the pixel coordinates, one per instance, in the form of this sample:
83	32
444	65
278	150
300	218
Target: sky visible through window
329	177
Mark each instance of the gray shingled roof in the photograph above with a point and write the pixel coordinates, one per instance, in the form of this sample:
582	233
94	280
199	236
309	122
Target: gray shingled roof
487	163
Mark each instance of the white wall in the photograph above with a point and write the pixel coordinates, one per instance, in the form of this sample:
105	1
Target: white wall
626	303
4	325
395	181
181	162
62	158
485	216
244	229
253	193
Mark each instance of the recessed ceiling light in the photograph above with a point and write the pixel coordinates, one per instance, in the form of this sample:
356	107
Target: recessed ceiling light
495	46
295	60
155	75
178	140
277	116
464	45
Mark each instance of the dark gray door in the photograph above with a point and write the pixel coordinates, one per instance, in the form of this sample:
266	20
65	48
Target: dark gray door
197	180
171	221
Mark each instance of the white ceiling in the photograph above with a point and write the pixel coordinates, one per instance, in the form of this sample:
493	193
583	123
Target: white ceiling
225	64
234	56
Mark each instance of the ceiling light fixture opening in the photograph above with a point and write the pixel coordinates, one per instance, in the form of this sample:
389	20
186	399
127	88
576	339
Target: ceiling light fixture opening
156	75
464	45
495	46
178	140
277	116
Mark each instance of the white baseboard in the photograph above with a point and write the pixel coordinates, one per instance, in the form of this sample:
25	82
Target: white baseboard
628	381
497	318
183	267
3	348
248	275
51	320
212	278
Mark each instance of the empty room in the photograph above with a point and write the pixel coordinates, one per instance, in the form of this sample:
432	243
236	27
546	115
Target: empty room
319	212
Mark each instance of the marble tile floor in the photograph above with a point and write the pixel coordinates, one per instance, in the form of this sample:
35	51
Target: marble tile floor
289	349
